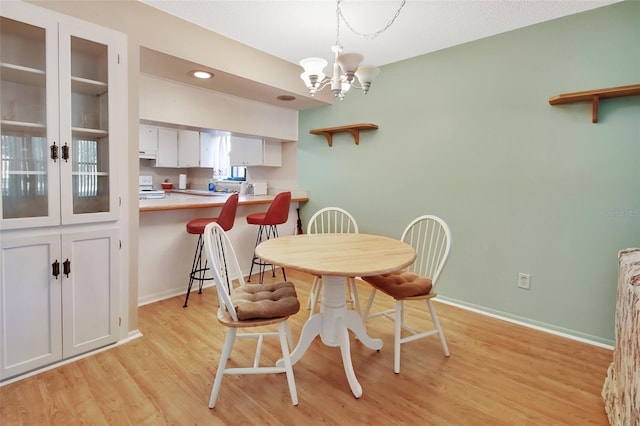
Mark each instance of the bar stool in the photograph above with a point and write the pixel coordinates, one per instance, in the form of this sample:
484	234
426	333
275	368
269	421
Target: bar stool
196	226
276	214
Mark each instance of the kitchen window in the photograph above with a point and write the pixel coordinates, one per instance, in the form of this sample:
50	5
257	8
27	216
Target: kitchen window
222	168
238	173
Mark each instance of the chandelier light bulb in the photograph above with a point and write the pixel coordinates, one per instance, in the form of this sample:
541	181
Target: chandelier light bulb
313	75
349	62
313	66
366	74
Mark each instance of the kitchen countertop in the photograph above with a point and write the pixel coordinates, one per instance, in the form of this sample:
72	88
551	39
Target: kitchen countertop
193	199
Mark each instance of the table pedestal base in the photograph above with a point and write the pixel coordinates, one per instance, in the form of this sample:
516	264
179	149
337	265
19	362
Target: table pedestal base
333	324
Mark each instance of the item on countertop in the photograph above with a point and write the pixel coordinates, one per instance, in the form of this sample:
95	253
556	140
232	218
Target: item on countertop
167	184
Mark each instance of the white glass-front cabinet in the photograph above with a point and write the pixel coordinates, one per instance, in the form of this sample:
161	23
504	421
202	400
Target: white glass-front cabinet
62	121
59	122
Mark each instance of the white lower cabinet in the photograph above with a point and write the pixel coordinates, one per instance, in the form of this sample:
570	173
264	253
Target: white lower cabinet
58	297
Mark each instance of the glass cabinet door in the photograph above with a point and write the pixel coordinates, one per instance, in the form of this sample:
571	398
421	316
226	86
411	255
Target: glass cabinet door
27	123
87	184
90	125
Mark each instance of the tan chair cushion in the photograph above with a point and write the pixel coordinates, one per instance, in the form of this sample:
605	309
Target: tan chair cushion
253	301
400	285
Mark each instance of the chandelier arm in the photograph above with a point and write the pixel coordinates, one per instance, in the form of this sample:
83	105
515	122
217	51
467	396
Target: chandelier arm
324	83
369	36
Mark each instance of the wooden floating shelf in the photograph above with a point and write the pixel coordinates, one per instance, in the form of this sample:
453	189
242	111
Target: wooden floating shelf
594	96
354	129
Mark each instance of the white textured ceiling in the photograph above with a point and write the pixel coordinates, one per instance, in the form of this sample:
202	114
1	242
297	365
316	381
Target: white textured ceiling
293	30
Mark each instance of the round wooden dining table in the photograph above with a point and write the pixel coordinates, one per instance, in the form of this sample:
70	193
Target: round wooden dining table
336	257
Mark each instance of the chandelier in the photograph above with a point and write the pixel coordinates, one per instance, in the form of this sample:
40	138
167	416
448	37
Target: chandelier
346	66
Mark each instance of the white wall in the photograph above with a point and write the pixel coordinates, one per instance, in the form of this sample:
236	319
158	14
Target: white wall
180	104
467	133
166	249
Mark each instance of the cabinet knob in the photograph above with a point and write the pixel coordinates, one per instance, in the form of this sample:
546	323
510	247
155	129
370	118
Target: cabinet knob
54	151
55	269
65	152
67	267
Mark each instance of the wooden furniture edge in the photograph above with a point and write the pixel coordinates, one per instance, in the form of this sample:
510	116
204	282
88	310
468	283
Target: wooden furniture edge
594	96
354	129
244	202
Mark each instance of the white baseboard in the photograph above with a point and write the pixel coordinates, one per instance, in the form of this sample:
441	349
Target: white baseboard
526	322
177	291
504	316
132	335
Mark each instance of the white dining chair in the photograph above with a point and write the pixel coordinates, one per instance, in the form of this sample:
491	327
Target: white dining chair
431	238
244	306
337	221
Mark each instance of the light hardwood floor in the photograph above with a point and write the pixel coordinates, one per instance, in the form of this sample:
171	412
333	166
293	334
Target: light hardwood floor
498	374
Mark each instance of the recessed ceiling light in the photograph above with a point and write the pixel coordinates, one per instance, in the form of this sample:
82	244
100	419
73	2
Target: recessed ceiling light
286	98
201	74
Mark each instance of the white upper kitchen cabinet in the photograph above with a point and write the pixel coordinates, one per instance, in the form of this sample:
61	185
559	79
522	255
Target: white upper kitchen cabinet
179	148
63	138
188	148
253	151
148	142
272	153
167	155
207	149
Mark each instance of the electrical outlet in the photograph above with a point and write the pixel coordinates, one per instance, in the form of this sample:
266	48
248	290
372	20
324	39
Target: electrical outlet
524	281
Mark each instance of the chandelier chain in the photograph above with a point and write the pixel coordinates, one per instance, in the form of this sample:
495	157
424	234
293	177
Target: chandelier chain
369	36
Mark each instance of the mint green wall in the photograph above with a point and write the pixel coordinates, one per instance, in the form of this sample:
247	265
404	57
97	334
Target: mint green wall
467	133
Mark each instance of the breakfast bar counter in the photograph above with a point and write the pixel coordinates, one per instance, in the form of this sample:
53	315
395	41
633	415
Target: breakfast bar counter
193	199
165	249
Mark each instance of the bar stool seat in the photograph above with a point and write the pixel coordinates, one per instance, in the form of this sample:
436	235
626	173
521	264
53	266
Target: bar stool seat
196	227
276	214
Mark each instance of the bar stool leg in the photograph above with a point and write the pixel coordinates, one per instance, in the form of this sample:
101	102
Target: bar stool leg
268	232
255	260
272	232
198	270
195	264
